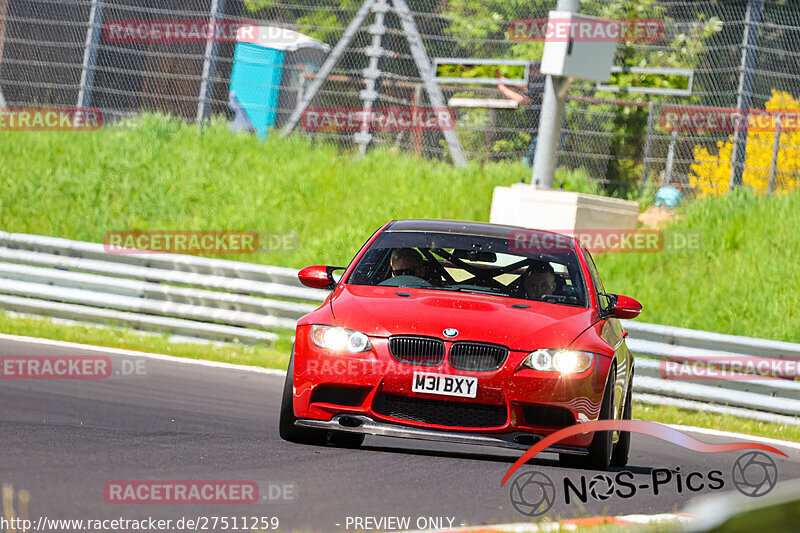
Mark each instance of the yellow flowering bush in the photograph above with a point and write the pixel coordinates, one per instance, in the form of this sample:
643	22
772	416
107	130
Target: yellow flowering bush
710	174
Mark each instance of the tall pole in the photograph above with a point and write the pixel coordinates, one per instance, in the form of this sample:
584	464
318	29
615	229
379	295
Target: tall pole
209	64
90	53
555	95
3	20
745	92
3	17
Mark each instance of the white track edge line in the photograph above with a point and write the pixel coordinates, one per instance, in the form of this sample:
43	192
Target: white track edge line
732	434
149	355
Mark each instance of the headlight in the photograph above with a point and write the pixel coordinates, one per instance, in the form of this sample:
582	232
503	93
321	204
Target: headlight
339	339
563	361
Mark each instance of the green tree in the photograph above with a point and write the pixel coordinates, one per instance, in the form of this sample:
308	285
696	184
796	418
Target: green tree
324	20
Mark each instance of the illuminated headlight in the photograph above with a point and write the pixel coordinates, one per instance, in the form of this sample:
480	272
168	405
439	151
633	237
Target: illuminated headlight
562	361
339	339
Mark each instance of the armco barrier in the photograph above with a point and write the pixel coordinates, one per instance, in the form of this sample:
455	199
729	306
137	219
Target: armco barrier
231	300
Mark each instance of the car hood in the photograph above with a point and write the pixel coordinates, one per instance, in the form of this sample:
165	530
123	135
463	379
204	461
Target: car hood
384	311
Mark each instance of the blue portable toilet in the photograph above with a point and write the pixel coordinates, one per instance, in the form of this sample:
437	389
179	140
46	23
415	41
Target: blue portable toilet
668	196
261	80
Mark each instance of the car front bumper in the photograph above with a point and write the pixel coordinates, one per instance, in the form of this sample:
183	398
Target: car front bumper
513	391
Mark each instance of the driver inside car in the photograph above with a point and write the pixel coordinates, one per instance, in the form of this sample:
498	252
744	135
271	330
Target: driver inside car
409	262
539	281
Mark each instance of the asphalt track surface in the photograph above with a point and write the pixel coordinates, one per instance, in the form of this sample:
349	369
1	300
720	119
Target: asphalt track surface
63	440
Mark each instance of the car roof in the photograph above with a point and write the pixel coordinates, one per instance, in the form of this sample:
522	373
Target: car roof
462	227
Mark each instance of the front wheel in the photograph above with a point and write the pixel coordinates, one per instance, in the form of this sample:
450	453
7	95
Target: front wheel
623	447
286	427
602	444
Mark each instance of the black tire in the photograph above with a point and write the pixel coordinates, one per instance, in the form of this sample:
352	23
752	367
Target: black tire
344	439
622	449
287	429
602	445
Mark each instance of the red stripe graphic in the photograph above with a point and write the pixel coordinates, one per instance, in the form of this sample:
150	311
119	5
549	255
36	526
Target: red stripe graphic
654	429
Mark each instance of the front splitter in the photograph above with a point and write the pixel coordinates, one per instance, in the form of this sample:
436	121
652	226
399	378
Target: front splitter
367	426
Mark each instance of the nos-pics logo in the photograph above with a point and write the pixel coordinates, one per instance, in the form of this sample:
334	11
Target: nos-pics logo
534	493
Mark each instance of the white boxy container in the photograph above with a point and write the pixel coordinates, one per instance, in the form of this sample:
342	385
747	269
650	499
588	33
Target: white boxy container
560	211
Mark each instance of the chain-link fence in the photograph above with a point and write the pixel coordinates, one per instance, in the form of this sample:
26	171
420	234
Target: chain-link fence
95	53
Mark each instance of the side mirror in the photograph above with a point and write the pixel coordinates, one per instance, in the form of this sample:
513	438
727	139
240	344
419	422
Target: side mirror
319	276
623	306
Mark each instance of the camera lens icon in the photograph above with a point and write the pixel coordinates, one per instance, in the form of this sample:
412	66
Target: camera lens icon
532	493
754	474
601	487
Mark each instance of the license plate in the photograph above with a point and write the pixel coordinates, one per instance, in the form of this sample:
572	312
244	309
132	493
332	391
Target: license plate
463	386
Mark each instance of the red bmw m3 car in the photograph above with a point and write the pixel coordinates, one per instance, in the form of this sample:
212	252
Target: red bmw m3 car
463	332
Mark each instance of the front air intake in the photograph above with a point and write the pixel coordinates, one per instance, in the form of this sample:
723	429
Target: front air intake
477	356
421	351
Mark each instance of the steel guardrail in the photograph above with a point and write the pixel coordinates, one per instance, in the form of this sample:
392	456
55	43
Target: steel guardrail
228	300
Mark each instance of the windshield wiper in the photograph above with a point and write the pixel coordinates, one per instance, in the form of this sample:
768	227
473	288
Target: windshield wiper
454	288
475	290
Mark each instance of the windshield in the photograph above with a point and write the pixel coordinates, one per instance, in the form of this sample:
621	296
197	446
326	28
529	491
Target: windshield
468	263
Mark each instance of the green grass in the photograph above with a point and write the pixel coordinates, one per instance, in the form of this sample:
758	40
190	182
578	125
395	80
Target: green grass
157	174
152	173
743	281
704	419
276	355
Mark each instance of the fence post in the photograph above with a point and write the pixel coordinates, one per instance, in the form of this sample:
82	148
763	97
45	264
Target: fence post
416	135
90	53
3	23
776	144
670	158
209	63
651	110
745	91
